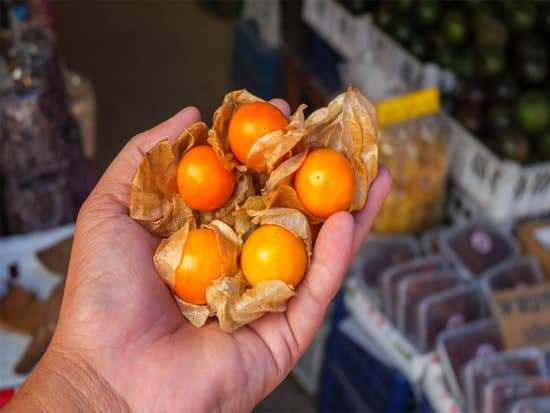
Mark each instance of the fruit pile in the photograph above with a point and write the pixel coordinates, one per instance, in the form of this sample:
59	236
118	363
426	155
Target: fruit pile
237	205
499	53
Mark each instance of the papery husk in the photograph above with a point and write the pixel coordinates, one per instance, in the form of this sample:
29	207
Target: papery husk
266	153
271	148
235	305
154	199
168	255
243	222
244	188
291	219
265	297
349	125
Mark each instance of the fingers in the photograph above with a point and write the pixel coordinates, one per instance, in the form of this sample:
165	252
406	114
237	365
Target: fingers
329	263
375	198
281	105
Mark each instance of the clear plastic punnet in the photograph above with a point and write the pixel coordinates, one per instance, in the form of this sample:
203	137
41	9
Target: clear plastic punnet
391	277
446	311
457	347
477	247
526	362
500	395
412	290
516	272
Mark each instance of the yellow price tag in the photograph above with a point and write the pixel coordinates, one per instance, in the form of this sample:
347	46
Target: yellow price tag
409	106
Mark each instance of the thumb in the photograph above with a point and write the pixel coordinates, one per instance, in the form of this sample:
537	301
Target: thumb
330	260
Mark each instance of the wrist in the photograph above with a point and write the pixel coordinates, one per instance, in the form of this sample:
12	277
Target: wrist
63	381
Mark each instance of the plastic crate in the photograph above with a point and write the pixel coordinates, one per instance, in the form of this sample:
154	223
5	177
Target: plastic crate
355	380
255	66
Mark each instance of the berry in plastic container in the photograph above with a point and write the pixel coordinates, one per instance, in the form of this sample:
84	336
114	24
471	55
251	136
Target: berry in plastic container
430	240
478	372
412	290
516	272
500	395
477	247
445	311
391	277
380	253
457	347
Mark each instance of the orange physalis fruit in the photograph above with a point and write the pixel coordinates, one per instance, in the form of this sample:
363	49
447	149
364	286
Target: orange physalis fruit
249	123
273	253
325	183
203	182
201	263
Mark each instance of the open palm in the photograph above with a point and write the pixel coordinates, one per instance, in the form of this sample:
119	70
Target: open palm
119	317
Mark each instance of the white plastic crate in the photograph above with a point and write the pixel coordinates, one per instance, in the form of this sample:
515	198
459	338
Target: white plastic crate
503	190
344	32
21	251
308	369
267	16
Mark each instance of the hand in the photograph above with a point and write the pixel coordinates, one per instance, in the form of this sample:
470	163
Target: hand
121	343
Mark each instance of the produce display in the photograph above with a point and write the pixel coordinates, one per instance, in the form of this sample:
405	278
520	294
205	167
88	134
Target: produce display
238	205
479	372
499	55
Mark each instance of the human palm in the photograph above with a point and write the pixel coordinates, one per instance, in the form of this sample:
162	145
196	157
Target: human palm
119	318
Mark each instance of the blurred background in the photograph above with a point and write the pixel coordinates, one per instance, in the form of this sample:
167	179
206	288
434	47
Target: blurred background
462	90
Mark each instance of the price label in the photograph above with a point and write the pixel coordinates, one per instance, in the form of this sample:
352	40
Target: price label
410	106
523	316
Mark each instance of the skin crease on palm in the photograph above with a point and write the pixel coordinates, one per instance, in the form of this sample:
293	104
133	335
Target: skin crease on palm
121	343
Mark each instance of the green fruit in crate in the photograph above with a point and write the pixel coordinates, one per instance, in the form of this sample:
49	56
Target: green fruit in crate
402	31
521	16
473	92
471	118
383	16
427	12
505	88
490	32
419	46
542	144
454	27
533	71
465	64
513	144
492	62
444	57
544	19
533	111
402	6
500	116
530	47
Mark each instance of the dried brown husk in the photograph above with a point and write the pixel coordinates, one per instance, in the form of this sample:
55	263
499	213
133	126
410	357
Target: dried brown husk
271	148
349	125
154	199
235	305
